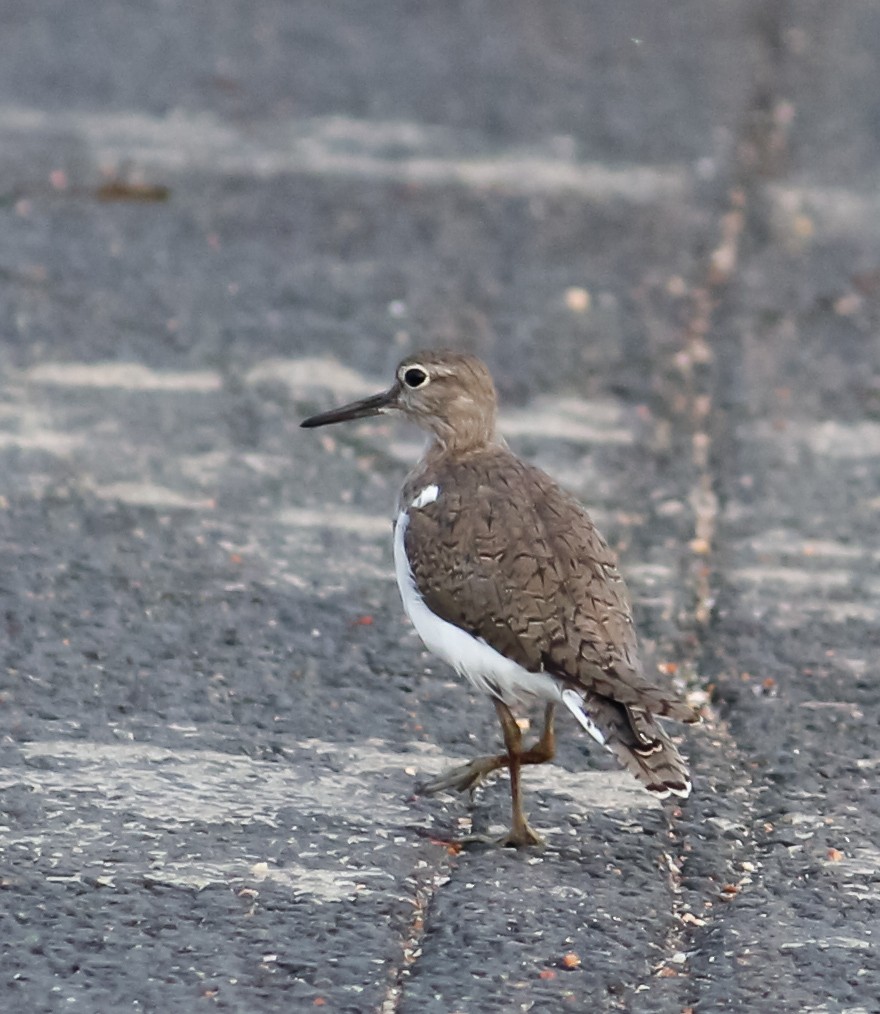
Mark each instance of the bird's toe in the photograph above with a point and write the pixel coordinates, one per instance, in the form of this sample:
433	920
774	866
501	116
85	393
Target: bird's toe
462	778
520	838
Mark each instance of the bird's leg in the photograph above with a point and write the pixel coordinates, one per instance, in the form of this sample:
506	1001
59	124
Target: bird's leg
464	777
520	833
467	777
545	749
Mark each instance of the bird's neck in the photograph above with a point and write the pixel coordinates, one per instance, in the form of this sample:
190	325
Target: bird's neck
465	432
439	457
460	443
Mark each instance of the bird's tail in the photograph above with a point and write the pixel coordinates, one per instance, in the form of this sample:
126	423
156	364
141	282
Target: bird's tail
636	739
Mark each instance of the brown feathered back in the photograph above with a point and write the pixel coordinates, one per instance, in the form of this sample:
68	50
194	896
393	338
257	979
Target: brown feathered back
510	557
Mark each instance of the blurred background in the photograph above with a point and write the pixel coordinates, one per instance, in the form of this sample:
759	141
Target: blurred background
658	224
361	178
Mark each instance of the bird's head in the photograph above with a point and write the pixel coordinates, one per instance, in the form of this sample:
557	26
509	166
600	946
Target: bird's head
450	394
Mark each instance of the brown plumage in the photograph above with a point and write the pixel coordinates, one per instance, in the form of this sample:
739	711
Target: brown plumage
511	558
498	550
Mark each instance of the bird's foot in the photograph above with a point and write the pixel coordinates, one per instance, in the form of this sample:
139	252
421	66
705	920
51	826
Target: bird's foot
462	778
521	837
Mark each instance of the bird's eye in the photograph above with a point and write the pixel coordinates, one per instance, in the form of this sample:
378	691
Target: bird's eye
415	376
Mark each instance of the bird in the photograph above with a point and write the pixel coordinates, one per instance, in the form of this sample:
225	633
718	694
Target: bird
506	578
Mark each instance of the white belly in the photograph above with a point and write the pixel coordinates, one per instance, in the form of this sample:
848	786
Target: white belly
486	668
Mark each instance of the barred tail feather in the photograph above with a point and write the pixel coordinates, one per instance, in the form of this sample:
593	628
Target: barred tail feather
638	742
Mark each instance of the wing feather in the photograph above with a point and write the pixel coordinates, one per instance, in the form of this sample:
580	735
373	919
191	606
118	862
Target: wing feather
504	553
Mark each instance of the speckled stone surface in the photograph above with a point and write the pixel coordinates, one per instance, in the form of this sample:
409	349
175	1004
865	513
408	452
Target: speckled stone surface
658	226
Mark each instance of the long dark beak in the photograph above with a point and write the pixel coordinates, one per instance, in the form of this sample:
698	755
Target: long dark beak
374	405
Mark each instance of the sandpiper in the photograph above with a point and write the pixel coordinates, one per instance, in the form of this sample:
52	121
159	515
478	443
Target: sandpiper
505	577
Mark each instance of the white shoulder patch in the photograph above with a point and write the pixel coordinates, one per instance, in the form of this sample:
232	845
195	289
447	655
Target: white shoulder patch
428	495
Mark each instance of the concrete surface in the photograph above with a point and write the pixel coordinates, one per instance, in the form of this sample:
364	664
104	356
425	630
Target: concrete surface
658	224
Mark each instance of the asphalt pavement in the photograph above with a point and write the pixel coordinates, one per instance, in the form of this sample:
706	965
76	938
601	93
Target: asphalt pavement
658	224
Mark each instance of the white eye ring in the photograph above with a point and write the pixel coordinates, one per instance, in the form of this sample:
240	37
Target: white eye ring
414	376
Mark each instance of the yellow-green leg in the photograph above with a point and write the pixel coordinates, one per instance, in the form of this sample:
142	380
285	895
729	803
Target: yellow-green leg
467	777
520	834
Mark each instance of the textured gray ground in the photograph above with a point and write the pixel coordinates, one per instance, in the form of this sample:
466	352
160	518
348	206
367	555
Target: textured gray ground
658	224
